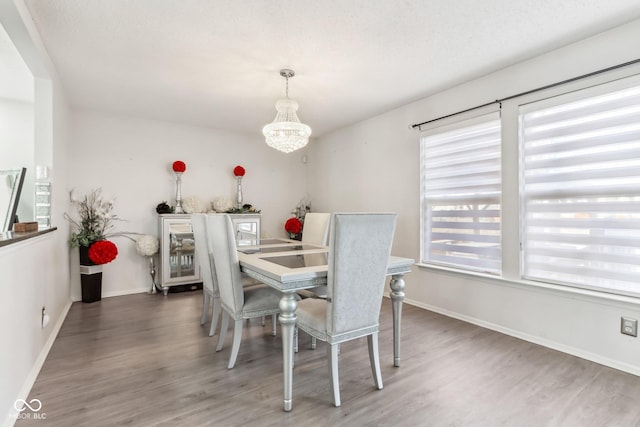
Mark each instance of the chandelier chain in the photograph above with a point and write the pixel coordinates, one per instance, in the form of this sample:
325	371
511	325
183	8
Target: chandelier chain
287	86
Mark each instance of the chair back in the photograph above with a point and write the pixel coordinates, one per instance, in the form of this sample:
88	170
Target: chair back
225	259
203	251
359	250
316	228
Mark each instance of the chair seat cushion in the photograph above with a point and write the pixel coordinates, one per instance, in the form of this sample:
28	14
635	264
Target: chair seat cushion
260	301
312	317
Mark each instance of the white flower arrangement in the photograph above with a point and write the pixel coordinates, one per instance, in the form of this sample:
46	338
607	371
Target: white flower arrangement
193	204
147	245
222	204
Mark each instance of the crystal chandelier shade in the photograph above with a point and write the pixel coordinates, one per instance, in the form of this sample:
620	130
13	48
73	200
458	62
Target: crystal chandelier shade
286	133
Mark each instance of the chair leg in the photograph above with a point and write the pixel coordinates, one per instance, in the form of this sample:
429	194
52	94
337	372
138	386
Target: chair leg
295	339
223	330
334	388
205	308
215	316
237	337
274	323
314	343
374	359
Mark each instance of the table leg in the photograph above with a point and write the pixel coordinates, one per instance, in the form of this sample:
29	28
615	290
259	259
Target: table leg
288	305
397	296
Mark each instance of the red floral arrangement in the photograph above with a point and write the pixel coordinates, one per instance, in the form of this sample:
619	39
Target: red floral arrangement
238	171
293	226
103	251
179	166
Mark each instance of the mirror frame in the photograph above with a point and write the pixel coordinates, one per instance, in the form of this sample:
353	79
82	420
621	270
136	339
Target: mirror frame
12	209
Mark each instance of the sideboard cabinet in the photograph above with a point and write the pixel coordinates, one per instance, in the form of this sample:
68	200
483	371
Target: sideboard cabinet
178	262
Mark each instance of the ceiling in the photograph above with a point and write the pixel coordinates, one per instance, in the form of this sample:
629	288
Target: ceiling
216	63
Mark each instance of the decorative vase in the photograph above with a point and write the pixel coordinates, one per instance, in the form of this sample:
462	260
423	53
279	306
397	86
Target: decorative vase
152	273
90	277
178	193
239	194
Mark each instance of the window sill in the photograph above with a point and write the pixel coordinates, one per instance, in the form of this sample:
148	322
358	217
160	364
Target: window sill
561	290
10	237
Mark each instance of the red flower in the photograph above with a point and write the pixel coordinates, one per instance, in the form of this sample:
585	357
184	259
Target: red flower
103	251
179	166
293	225
238	171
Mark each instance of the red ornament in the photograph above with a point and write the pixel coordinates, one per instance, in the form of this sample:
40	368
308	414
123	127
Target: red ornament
179	166
103	251
293	225
238	171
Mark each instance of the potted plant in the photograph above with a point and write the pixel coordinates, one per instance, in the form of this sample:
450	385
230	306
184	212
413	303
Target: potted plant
92	228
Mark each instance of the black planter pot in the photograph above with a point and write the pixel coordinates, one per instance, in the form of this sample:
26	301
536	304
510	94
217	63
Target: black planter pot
90	277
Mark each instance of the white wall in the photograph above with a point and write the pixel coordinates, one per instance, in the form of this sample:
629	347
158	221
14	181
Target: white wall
374	165
130	160
34	273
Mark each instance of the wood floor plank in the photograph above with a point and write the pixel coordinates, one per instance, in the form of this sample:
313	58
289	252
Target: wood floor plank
144	360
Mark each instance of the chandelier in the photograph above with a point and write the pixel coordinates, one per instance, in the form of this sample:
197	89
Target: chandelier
286	133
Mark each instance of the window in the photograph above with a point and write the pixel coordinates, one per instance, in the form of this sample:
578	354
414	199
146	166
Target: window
460	191
580	183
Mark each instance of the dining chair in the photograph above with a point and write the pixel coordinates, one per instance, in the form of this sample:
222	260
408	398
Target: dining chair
359	250
316	228
207	270
238	302
210	290
316	232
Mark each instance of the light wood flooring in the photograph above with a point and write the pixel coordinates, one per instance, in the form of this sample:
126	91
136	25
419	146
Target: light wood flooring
144	360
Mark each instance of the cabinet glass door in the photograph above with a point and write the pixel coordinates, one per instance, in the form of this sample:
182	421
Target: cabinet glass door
247	233
247	227
181	252
178	262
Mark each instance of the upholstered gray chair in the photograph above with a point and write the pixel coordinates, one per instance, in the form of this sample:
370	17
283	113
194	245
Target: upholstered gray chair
210	290
207	270
359	250
237	302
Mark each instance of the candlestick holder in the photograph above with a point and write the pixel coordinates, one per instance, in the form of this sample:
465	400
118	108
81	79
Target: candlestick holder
178	208
239	194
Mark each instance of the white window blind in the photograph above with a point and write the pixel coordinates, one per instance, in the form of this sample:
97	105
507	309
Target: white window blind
581	189
460	175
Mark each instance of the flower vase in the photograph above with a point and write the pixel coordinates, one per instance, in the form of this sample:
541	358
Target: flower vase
178	193
90	277
239	194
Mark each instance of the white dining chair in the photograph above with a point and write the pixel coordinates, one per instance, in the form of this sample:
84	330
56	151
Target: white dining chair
238	302
316	228
315	232
359	250
210	291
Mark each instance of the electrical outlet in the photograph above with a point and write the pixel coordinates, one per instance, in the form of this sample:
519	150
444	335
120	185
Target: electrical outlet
629	326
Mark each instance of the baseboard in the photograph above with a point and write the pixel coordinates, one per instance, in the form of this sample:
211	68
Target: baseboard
118	293
10	419
615	364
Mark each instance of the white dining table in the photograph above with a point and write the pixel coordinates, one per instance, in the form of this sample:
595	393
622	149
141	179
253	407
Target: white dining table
290	266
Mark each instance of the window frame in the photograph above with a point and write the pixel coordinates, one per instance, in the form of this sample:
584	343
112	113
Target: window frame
461	121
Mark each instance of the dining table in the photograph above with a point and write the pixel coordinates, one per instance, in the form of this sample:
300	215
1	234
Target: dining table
290	266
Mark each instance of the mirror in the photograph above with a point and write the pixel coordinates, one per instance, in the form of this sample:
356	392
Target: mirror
11	182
